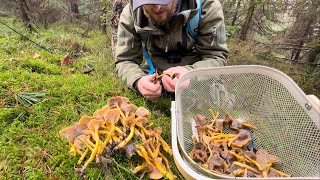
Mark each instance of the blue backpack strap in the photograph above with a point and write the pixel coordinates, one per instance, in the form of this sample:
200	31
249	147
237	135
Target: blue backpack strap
193	24
145	38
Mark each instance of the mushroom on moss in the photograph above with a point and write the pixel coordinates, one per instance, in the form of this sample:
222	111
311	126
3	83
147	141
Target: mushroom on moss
142	112
94	126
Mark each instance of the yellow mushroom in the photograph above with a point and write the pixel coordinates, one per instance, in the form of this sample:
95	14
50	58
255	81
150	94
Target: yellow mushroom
266	171
100	112
84	120
214	116
282	174
254	162
238	156
112	116
94	125
245	166
245	123
142	112
143	153
138	168
155	174
83	156
238	172
165	146
128	138
159	165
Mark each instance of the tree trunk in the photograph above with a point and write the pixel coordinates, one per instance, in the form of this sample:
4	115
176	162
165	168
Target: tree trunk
313	54
307	32
117	7
247	22
23	7
74	9
235	16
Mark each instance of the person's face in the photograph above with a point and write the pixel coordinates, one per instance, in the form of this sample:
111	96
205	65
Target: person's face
160	14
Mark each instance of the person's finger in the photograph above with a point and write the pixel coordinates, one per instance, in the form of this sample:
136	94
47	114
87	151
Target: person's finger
168	83
151	86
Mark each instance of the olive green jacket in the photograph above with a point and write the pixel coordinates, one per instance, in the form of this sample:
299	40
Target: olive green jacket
207	50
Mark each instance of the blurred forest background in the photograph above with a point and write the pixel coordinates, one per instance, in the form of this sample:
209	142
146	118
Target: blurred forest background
287	30
56	65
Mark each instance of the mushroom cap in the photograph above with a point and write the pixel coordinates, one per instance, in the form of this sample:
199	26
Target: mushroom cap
156	132
71	132
85	120
206	139
118	100
242	139
130	150
263	158
128	108
215	161
142	120
142	112
95	124
112	115
101	112
200	156
155	174
219	124
201	120
79	141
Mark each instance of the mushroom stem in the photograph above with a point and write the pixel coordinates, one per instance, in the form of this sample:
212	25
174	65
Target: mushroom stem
238	172
213	116
73	150
266	171
88	132
90	143
239	157
83	156
245	123
165	160
144	154
282	174
245	166
128	138
106	141
165	146
138	168
159	165
254	162
93	154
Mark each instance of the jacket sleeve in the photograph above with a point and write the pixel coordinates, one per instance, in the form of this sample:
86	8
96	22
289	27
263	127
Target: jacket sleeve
128	50
211	42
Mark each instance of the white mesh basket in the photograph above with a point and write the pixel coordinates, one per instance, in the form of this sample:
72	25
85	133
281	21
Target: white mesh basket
288	125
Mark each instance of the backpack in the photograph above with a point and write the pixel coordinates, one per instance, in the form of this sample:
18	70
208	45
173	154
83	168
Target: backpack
192	28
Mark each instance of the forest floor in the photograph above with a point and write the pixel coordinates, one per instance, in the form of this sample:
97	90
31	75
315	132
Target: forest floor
30	144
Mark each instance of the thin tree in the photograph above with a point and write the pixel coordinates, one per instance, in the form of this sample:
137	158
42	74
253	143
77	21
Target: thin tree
23	8
246	25
74	8
117	7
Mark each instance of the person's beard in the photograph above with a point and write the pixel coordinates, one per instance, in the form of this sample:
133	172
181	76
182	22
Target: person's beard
156	22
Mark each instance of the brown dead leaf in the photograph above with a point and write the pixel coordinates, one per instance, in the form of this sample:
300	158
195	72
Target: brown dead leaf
66	60
36	55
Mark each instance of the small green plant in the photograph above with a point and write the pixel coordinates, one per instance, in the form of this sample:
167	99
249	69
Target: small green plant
30	98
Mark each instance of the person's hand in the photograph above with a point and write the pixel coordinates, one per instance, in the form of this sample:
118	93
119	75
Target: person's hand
149	87
168	82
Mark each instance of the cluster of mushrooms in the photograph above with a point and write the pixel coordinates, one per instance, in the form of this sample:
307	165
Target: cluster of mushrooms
119	125
230	154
